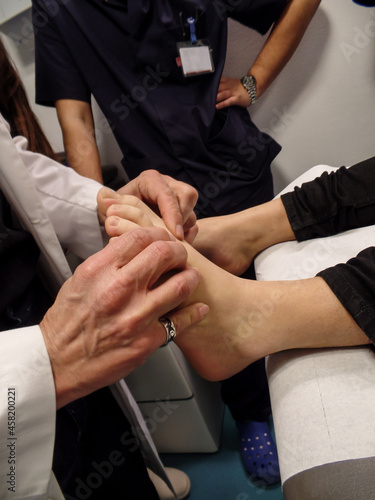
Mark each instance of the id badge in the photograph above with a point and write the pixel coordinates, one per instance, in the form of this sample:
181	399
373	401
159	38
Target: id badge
195	58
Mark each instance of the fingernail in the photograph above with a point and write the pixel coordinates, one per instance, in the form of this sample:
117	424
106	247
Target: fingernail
180	232
204	310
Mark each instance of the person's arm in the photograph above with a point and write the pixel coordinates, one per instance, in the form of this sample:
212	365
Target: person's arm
68	198
249	320
27	414
75	204
103	324
78	129
59	82
277	51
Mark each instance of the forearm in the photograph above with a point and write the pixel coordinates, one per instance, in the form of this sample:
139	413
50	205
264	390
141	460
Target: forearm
332	203
282	42
82	152
80	145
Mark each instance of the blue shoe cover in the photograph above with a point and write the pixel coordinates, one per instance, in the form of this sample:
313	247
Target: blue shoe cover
259	452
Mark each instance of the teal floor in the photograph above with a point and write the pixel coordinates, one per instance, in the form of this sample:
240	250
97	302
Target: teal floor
220	476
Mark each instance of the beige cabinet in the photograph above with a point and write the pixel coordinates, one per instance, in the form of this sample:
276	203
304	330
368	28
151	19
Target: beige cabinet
183	412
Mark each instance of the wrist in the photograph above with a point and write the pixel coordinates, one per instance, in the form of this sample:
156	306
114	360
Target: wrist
249	83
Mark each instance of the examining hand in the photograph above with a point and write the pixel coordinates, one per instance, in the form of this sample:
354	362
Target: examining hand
222	240
104	322
231	93
173	200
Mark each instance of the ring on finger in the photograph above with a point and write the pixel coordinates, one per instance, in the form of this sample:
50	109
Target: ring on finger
170	330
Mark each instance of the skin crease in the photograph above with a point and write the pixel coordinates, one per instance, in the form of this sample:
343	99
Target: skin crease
248	320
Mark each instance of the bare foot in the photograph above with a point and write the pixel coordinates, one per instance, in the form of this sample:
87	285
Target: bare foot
224	241
232	241
225	342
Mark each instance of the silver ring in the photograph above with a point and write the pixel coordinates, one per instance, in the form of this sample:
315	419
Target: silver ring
170	330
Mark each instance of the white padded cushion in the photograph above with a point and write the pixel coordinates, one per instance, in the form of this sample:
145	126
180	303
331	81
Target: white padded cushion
323	400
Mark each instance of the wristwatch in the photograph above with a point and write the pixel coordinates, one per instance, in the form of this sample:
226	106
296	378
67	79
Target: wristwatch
249	83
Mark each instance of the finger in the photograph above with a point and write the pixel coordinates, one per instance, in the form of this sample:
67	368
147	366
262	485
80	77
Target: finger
224	104
126	247
153	188
186	317
191	234
157	263
187	199
222	87
225	94
175	205
172	292
174	200
190	228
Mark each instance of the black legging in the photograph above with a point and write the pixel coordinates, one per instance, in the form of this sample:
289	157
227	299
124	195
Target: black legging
330	204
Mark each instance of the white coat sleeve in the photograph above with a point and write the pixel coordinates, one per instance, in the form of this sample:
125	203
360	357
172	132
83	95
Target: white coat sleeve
69	199
27	415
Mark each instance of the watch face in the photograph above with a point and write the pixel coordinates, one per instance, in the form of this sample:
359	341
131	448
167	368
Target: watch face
248	80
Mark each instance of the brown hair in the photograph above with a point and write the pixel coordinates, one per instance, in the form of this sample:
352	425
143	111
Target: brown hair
16	108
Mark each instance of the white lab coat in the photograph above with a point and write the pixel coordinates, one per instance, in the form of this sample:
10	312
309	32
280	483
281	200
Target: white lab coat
55	205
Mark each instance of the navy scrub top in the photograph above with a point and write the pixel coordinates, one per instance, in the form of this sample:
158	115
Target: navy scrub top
124	54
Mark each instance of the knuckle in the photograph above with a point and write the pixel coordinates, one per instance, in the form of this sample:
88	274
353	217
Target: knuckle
151	173
140	237
87	270
182	288
162	250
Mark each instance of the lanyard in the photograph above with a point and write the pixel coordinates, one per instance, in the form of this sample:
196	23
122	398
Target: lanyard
191	23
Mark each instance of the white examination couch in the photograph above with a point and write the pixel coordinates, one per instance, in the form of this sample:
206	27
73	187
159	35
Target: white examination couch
323	400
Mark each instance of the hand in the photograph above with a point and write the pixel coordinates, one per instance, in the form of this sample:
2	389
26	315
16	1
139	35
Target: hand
104	322
173	200
231	93
223	240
